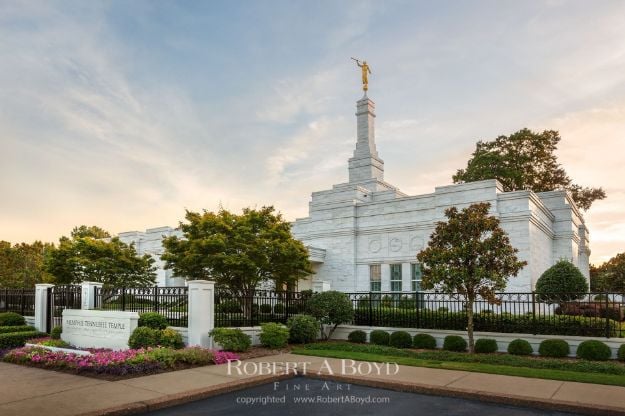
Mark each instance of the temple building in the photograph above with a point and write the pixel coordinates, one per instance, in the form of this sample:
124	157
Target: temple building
364	234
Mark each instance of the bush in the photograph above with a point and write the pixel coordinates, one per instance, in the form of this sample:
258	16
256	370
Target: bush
21	328
278	308
331	308
486	346
11	319
274	335
560	283
231	339
400	339
228	306
170	338
303	329
379	337
56	332
454	343
554	348
153	320
17	339
265	308
520	347
594	350
144	337
424	341
359	337
621	353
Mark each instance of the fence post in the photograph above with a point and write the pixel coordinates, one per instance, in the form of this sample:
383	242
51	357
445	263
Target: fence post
201	312
41	306
607	315
88	294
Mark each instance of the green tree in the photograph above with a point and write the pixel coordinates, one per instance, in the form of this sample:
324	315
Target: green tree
562	282
237	251
330	308
469	254
109	261
92	231
525	160
21	265
610	276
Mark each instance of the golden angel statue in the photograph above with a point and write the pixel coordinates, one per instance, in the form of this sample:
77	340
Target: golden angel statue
365	73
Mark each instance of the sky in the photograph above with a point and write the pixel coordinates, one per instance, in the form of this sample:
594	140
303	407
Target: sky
124	114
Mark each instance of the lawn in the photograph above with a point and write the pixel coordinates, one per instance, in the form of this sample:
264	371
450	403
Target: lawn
609	373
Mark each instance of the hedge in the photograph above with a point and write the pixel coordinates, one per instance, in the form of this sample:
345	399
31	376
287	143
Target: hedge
486	346
21	328
379	337
454	343
11	319
557	348
486	322
400	339
424	341
520	347
594	350
18	339
358	336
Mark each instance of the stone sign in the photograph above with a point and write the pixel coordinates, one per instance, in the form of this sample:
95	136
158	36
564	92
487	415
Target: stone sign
98	329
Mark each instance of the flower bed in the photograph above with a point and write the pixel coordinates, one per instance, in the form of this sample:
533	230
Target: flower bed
118	364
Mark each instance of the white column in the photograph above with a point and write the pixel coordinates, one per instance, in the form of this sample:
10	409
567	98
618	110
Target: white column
201	312
41	306
320	286
88	294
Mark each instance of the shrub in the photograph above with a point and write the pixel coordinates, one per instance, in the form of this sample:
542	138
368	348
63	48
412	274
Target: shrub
231	339
17	339
303	329
621	353
379	337
153	320
400	339
143	337
56	332
274	335
20	328
560	283
454	343
228	306
520	347
424	341
331	308
11	319
265	308
170	338
554	348
594	350
278	308
358	337
485	346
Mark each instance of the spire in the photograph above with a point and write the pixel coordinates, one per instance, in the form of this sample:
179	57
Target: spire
365	165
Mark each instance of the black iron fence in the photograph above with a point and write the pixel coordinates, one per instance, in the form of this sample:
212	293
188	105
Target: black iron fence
171	302
250	308
582	314
59	298
20	301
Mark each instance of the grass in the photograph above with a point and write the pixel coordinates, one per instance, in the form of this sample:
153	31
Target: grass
581	371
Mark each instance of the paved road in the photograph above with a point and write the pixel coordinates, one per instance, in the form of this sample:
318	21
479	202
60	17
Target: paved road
330	398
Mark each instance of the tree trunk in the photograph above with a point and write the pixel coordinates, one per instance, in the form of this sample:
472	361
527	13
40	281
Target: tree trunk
470	325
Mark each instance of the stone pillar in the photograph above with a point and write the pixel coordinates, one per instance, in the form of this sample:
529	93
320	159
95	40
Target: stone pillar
41	306
201	312
365	164
88	294
320	286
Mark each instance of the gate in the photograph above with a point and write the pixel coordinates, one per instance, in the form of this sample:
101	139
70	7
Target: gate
60	298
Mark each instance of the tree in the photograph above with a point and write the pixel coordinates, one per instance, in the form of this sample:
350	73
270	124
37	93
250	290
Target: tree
525	160
562	282
111	262
470	255
330	308
92	231
237	251
610	276
21	265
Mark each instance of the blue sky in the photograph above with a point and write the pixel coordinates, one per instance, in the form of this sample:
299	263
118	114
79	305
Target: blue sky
123	114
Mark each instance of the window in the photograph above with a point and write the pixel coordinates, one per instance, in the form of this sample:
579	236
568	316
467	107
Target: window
375	277
416	277
395	277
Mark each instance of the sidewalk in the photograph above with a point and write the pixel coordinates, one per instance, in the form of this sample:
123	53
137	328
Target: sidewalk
30	391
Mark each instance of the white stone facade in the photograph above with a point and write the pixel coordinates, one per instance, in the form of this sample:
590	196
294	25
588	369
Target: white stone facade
367	221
